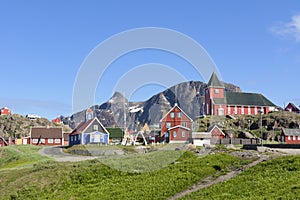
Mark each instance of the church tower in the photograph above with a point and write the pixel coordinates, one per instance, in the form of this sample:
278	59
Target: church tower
89	114
214	93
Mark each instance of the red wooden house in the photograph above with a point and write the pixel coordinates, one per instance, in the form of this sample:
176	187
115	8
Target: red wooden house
221	102
292	108
176	126
290	136
5	111
216	132
56	121
46	136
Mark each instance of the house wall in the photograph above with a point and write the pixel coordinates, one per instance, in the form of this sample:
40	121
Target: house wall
181	135
175	121
46	141
292	140
90	128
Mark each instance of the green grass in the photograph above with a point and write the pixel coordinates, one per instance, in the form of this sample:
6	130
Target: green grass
275	179
94	180
12	157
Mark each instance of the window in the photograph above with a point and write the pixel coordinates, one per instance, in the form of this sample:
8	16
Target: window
249	110
172	115
235	110
174	134
298	137
50	141
168	124
183	134
57	141
294	137
95	128
217	91
71	138
243	111
179	114
289	137
228	110
78	137
34	140
43	141
183	124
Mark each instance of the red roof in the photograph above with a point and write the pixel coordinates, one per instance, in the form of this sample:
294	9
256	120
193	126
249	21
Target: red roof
81	127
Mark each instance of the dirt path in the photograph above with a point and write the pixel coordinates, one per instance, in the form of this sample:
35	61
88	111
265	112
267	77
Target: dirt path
58	155
211	181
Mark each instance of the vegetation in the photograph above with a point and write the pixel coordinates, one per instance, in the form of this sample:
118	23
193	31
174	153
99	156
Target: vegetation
275	179
94	180
13	157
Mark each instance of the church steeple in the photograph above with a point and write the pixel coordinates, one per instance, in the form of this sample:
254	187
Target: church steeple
89	114
214	81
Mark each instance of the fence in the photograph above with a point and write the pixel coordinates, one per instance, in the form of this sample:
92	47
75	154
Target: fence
235	141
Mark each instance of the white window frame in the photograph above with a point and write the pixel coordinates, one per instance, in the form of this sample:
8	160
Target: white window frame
174	134
249	110
168	124
50	141
228	110
35	141
235	110
184	124
56	141
179	114
289	137
243	111
298	137
43	140
172	115
217	91
183	134
95	127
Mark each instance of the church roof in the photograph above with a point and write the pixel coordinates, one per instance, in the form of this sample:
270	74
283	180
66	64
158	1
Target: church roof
245	99
214	81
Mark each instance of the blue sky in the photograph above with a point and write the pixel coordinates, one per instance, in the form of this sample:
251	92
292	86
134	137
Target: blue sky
255	45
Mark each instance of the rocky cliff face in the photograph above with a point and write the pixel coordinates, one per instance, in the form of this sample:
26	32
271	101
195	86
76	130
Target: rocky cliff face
188	95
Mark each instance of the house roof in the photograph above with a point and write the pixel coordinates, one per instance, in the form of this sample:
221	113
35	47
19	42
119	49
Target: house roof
176	105
179	126
46	132
214	81
115	132
213	127
241	98
291	132
201	135
84	125
293	106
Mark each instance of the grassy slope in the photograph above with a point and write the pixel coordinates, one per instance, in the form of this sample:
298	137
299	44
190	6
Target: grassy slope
275	179
93	180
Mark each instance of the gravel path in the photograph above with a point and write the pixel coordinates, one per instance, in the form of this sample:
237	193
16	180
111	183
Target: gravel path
211	181
58	155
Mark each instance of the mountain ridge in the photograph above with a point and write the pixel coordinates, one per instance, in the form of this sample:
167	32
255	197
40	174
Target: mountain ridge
189	96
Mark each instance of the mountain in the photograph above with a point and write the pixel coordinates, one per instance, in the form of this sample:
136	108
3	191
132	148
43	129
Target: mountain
188	95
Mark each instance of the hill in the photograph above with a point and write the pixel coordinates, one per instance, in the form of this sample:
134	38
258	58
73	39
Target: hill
19	126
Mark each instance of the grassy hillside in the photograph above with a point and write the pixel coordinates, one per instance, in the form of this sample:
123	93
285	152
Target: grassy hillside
93	180
275	179
13	157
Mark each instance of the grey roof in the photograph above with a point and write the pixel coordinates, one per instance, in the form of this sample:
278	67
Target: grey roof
291	132
246	99
214	81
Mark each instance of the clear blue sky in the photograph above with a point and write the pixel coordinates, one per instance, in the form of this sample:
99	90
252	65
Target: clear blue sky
255	45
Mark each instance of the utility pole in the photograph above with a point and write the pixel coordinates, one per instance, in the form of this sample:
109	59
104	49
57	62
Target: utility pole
261	134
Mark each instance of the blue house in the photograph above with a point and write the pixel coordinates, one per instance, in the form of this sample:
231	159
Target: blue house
91	131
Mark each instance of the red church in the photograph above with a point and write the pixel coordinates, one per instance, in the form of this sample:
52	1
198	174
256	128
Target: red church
218	101
176	126
5	111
